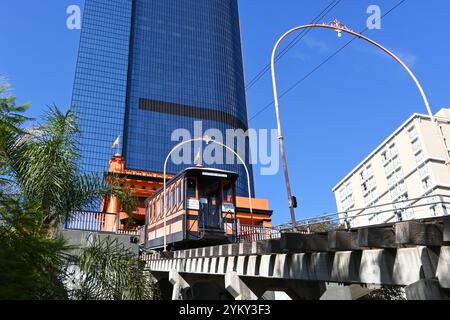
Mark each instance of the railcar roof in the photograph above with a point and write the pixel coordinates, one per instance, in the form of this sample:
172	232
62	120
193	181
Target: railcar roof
194	169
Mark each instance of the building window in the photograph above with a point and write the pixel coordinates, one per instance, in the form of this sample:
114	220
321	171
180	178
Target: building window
412	132
395	177
345	203
388	167
362	175
364	186
397	190
350	199
420	157
396	161
416	145
346	196
370	197
371	183
367	179
401	201
390	153
366	173
403	205
393	193
375	210
393	150
436	208
369	171
391	180
345	191
423	171
342	193
426	183
401	186
392	165
349	188
390	158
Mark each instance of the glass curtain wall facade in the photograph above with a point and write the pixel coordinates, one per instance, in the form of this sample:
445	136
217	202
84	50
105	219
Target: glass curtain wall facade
100	86
149	67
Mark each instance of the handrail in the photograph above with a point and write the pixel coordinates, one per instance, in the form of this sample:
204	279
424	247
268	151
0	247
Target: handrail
249	233
98	222
349	220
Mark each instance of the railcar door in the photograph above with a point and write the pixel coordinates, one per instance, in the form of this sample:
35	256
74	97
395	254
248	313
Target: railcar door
211	204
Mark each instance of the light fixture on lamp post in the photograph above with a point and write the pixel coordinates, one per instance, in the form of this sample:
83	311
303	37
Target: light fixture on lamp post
340	28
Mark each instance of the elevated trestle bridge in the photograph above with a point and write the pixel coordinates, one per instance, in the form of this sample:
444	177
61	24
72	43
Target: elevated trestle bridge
326	257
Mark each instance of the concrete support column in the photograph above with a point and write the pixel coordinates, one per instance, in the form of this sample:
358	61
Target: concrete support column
337	292
443	269
180	286
305	290
425	289
269	295
237	288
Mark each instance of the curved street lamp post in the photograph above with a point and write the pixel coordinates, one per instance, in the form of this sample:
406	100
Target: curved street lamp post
207	140
339	28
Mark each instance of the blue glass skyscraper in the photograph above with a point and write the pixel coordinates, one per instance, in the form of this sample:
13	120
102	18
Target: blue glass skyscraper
148	67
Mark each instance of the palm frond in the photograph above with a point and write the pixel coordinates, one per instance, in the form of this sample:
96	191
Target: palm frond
11	115
110	271
32	263
11	120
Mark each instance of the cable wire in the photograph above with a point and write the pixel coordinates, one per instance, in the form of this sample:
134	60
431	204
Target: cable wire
299	37
322	64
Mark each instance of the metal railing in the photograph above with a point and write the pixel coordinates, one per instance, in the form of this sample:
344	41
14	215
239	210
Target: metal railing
247	233
98	222
427	207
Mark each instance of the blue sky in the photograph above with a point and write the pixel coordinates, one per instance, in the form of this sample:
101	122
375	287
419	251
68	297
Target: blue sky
331	121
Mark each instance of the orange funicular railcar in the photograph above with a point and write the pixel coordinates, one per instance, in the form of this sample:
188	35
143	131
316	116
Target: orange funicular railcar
200	210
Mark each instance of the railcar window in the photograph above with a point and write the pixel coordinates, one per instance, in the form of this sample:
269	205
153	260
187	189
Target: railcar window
227	192
153	210
191	188
180	194
159	204
173	198
168	201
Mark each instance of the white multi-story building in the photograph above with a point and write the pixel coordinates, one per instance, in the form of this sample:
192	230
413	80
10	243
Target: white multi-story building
405	178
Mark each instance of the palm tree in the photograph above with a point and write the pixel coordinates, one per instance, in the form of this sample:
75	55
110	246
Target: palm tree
44	164
107	271
31	263
40	187
11	119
